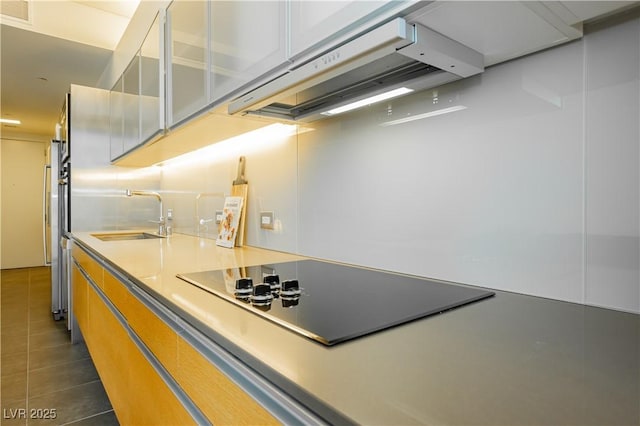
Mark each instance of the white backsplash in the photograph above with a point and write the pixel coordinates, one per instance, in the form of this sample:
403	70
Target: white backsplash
490	195
612	167
533	188
271	173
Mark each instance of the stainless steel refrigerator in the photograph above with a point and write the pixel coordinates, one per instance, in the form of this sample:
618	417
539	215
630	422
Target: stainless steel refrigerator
55	215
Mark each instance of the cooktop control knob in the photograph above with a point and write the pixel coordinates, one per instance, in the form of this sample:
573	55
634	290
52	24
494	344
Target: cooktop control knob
244	286
290	288
273	281
261	290
261	295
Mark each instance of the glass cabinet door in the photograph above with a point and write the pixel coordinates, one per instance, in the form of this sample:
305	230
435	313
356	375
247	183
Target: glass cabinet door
188	58
131	104
151	102
115	120
314	21
248	39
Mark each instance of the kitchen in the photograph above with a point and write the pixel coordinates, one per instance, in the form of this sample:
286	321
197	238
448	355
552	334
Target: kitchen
513	193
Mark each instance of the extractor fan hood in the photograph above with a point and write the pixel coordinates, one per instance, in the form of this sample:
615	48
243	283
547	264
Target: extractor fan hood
393	56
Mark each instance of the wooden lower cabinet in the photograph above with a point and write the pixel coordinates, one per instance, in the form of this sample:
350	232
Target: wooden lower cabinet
118	294
152	402
155	333
138	393
90	266
221	400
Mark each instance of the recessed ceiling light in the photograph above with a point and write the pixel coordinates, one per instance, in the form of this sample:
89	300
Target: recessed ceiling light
9	121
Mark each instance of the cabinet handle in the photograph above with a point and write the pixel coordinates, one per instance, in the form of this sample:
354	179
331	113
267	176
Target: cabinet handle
45	215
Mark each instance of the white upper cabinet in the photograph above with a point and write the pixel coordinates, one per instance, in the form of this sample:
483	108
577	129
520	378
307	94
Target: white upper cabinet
136	111
187	71
216	48
248	40
317	24
503	30
575	12
151	84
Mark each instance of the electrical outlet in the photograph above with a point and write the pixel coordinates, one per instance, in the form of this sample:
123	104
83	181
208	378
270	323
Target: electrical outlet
219	215
266	220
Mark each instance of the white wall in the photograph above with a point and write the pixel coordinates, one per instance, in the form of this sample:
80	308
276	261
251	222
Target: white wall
533	188
271	172
22	169
612	172
490	196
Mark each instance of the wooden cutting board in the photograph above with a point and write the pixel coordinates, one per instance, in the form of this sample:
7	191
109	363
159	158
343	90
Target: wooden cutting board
240	188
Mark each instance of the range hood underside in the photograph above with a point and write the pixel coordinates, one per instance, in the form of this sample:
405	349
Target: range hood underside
409	56
362	82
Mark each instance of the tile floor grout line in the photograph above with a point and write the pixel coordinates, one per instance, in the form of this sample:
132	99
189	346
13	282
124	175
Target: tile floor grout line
26	398
60	389
60	364
85	418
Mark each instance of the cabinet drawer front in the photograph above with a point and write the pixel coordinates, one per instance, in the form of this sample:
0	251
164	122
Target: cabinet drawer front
118	294
152	401
221	400
155	334
91	267
79	295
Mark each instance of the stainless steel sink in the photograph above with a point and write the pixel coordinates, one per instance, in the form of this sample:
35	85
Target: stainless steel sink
124	236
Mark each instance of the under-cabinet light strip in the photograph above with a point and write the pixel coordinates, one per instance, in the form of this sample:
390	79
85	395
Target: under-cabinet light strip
247	142
368	101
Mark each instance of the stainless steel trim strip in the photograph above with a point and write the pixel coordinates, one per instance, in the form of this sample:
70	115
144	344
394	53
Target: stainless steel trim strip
45	215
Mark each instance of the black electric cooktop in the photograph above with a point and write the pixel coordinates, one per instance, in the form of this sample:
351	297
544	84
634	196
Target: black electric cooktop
332	303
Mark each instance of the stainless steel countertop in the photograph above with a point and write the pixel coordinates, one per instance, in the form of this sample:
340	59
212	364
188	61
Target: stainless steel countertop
511	359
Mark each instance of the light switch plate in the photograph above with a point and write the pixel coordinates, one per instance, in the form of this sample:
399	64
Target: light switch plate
266	220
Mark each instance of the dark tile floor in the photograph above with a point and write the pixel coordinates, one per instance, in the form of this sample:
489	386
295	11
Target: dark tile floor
42	374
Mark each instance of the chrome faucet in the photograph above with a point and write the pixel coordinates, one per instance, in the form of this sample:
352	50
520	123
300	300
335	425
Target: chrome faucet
162	228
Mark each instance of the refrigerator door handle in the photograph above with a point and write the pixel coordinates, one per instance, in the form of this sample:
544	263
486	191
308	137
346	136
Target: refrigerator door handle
45	215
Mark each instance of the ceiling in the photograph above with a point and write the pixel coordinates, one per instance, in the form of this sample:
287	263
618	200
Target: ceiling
40	59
